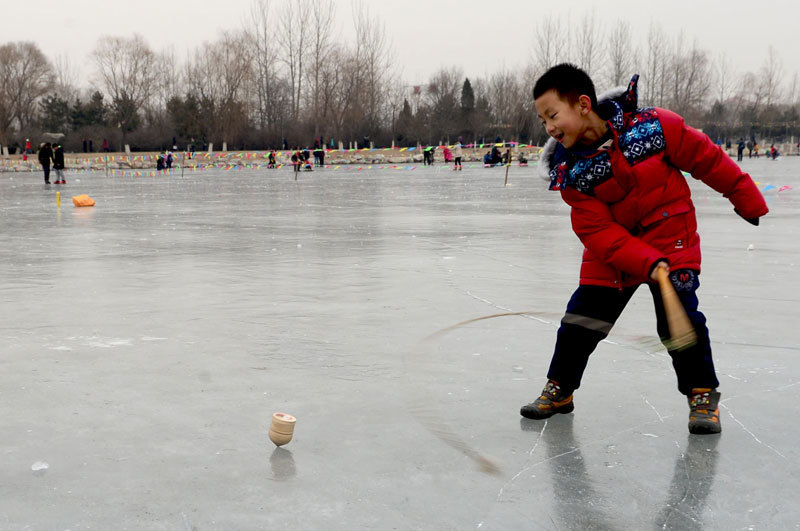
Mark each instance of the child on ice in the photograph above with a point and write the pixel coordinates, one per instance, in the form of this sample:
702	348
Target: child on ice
619	169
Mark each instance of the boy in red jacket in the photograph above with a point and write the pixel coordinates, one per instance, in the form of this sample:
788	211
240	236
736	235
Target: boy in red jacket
619	168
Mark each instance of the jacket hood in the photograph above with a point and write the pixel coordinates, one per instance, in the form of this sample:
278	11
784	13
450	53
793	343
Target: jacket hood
611	105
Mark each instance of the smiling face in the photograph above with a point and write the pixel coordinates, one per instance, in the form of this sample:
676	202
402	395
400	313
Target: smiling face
565	121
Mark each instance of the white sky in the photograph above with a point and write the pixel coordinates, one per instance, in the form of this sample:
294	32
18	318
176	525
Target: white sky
479	36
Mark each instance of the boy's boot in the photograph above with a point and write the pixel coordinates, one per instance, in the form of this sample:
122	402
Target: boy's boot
704	411
553	400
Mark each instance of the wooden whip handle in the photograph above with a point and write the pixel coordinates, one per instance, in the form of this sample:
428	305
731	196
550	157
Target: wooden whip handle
681	331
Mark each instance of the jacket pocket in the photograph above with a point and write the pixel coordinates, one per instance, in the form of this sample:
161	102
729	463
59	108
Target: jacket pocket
665	212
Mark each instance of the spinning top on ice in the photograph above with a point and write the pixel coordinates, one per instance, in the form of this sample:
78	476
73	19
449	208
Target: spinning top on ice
282	428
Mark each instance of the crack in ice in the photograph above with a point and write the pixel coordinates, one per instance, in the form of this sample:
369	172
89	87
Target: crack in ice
653	408
753	435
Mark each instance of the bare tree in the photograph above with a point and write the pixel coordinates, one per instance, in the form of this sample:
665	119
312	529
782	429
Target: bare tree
655	66
395	97
321	24
750	92
771	74
587	46
339	84
793	92
25	77
442	101
293	41
266	79
170	80
217	74
548	49
373	55
619	54
690	77
127	71
723	78
510	105
64	77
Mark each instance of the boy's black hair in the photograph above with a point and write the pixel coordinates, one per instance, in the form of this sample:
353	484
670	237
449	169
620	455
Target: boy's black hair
568	81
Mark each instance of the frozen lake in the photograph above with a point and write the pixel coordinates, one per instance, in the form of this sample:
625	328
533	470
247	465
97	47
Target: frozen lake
148	340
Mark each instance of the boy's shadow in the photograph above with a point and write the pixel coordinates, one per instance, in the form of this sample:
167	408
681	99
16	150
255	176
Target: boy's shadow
695	468
577	503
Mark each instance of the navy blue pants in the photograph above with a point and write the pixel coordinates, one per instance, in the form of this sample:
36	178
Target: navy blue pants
592	312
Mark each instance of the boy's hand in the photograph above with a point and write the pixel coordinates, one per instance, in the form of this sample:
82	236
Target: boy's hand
752	221
659	265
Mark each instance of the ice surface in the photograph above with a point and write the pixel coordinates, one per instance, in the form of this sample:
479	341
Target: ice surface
148	340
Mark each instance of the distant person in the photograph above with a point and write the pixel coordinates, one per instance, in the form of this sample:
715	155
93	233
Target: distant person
773	152
447	154
58	164
105	146
507	157
523	161
457	154
740	150
27	149
496	157
755	149
45	158
749	149
271	160
160	162
322	155
169	160
427	156
728	145
91	148
85	146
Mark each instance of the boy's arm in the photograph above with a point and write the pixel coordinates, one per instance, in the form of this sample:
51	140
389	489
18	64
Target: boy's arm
692	151
609	241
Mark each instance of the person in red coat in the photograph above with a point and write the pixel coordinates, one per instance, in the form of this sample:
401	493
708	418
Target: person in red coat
619	167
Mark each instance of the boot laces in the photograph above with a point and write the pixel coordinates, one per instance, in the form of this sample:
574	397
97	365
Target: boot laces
700	399
551	390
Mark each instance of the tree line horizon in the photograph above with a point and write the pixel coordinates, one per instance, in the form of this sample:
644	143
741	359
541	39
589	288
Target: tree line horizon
284	78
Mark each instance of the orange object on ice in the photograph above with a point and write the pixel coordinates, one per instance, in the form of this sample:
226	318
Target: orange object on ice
82	200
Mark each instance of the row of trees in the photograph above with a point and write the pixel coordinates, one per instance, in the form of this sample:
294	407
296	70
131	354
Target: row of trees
285	77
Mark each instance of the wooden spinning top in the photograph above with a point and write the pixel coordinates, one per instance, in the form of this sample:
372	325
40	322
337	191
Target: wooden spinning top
282	428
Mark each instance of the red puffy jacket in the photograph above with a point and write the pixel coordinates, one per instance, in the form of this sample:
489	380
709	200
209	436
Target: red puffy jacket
631	205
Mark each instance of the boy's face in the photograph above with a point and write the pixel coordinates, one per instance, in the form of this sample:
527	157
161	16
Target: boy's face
564	121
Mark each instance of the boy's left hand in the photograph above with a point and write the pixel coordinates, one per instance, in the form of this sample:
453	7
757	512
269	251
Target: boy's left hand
752	221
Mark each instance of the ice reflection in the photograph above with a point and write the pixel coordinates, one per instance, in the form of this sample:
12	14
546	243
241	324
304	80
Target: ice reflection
575	496
282	464
695	468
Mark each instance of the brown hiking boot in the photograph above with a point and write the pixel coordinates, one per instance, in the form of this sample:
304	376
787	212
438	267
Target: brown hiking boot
553	400
704	411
